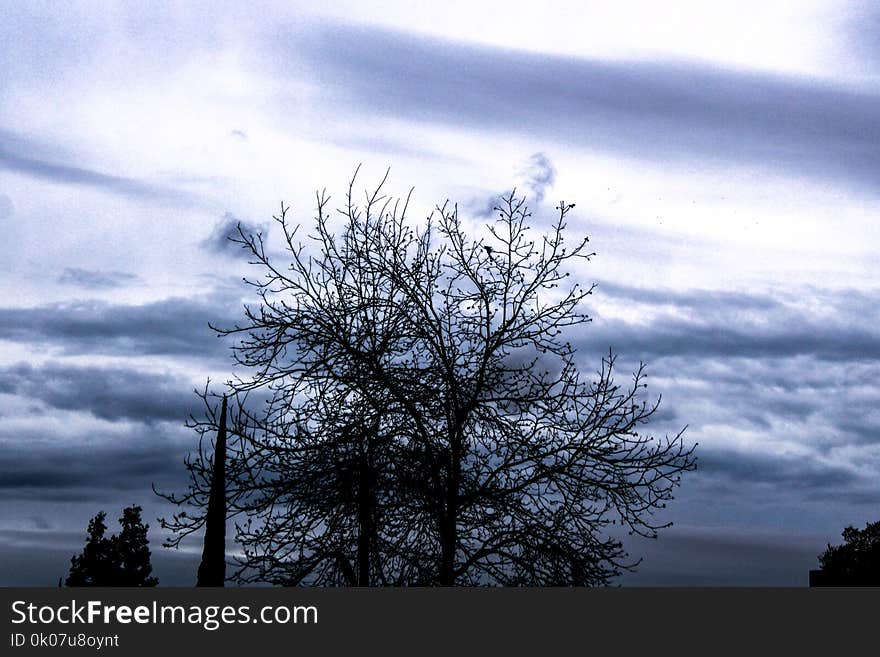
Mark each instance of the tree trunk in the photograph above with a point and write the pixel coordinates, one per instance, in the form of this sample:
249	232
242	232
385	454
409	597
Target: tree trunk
449	521
365	512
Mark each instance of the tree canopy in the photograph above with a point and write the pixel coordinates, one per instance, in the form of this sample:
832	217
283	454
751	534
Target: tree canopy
425	416
856	562
121	560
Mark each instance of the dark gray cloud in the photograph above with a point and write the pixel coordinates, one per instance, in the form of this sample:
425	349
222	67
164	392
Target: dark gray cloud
733	325
219	240
173	326
109	393
94	279
692	299
17	155
36	558
52	482
33	469
537	175
661	111
796	367
691	557
821	404
534	177
860	427
787	472
670	336
40	523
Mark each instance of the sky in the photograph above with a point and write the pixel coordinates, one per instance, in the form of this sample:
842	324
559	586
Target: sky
725	162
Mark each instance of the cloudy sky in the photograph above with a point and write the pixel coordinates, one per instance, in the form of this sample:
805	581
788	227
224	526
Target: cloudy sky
724	158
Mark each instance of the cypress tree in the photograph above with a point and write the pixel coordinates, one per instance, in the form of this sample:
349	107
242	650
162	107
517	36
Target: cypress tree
212	570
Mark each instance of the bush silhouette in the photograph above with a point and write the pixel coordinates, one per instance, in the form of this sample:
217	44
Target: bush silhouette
856	562
121	560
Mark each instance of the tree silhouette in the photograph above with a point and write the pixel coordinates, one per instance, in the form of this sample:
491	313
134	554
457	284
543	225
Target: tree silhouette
95	565
425	420
120	560
854	563
212	569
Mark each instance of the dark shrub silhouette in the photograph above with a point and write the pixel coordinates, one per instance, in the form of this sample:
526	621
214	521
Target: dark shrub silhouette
121	560
95	566
854	563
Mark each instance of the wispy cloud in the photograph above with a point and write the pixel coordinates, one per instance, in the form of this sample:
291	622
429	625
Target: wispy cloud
94	279
654	111
862	23
6	207
533	178
537	176
15	156
219	240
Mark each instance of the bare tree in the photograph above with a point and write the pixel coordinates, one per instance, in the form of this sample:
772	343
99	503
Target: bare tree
433	367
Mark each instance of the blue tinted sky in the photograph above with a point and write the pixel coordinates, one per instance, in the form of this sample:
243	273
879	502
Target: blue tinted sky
724	158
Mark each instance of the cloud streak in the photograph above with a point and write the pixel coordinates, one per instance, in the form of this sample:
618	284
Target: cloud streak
175	326
94	280
828	325
108	393
803	473
653	111
7	209
132	462
15	156
687	337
